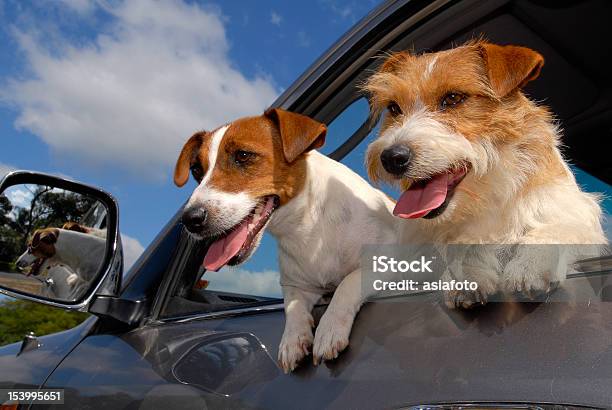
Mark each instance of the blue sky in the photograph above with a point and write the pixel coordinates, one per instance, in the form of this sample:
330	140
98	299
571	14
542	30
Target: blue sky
106	92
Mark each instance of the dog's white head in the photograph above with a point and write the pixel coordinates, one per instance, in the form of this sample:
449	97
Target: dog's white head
447	117
40	248
244	171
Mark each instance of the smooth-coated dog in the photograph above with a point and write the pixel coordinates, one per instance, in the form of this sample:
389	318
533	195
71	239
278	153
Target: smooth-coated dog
479	163
70	257
263	172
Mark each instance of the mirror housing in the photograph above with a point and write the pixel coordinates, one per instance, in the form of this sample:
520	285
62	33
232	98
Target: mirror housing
107	282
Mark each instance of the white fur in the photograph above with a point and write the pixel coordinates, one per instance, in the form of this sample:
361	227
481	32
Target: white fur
430	67
61	283
434	146
213	151
225	210
26	259
320	236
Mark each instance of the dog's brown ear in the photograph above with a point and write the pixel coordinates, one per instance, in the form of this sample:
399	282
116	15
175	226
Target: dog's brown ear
394	61
510	67
45	236
49	235
73	226
299	133
181	170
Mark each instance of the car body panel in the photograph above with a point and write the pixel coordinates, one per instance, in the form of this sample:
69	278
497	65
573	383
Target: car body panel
31	368
408	351
412	350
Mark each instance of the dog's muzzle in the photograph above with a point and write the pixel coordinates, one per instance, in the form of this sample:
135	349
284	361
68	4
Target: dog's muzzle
194	219
396	159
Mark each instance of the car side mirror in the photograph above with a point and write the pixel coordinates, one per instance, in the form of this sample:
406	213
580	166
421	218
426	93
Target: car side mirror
59	241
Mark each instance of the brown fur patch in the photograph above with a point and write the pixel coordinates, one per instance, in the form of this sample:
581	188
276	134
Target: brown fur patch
73	226
43	242
276	165
186	157
510	67
298	133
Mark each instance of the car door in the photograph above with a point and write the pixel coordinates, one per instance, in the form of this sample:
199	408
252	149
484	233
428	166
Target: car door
201	345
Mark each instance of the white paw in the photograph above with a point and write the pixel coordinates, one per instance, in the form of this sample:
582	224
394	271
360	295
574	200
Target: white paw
486	278
332	335
294	346
526	275
466	299
533	270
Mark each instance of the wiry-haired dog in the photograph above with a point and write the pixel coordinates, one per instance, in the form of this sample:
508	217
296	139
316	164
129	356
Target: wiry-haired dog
479	162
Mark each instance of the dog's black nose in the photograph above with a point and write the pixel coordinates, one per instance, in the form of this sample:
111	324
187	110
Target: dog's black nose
395	159
194	219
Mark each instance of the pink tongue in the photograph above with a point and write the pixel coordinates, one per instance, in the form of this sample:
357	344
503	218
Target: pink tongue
224	249
418	201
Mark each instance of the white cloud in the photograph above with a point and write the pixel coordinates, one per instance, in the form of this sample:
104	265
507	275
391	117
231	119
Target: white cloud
237	280
132	249
19	197
345	11
276	18
159	72
5	169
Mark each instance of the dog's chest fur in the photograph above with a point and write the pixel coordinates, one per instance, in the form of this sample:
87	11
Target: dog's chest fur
321	231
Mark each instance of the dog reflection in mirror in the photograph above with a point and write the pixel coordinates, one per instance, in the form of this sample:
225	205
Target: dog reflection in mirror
67	258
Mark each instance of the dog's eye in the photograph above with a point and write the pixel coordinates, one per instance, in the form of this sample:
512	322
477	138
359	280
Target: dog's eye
242	157
394	109
197	171
452	99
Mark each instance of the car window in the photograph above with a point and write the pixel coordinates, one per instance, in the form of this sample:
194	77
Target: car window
345	125
20	317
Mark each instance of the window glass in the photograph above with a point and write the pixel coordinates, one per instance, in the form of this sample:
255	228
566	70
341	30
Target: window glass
20	317
591	184
345	125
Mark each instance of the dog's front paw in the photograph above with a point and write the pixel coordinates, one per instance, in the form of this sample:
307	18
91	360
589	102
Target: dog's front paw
332	336
466	298
294	346
532	272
